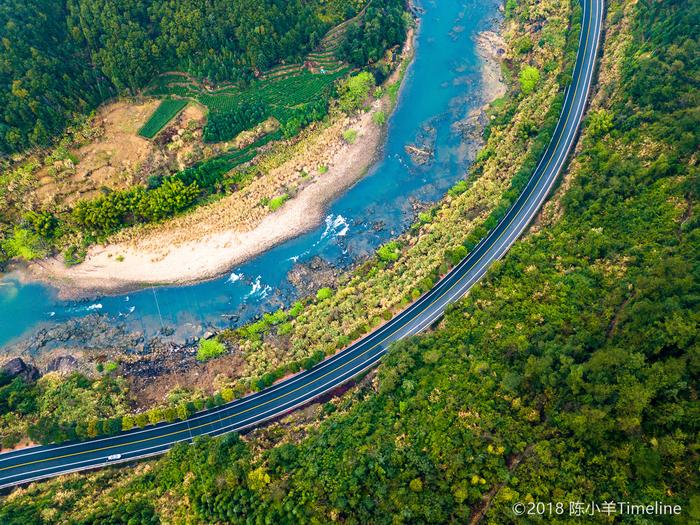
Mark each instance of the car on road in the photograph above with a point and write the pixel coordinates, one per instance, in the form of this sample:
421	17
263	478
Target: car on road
114	457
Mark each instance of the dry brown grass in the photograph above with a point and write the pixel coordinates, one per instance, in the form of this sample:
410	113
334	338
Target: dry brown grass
242	211
119	157
105	162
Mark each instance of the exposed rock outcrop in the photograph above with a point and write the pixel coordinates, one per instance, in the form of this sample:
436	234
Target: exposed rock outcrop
16	367
307	278
63	364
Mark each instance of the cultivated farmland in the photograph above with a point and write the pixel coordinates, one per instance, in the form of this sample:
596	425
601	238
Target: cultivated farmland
288	92
163	114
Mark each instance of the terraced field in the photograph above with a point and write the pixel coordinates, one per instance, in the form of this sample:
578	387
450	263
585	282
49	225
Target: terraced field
163	114
280	95
284	90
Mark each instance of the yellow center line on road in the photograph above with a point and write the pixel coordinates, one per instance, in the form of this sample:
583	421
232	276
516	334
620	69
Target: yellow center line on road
135	442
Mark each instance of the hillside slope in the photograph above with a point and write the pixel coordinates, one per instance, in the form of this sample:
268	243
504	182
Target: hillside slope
569	375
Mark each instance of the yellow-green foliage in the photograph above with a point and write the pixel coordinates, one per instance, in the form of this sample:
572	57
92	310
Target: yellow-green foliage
389	252
25	244
362	302
600	122
277	202
40	409
350	136
209	348
324	293
529	77
354	91
379	118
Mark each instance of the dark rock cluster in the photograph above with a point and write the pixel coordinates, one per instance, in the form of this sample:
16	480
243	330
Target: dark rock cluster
16	367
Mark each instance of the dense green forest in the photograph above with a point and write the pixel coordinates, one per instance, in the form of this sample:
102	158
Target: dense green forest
97	50
569	374
382	27
65	57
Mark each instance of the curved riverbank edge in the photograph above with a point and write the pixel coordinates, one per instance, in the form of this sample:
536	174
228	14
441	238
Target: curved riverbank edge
156	260
153	260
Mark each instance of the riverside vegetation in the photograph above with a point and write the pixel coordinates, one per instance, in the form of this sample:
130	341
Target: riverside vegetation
294	96
568	374
157	200
287	341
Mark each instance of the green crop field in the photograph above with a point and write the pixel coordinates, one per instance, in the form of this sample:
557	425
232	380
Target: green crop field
280	95
283	90
163	114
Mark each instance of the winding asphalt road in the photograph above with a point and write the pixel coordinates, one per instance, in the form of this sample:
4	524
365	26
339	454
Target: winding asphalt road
40	462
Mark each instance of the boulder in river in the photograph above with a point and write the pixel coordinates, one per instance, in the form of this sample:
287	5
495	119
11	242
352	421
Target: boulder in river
422	151
419	155
309	277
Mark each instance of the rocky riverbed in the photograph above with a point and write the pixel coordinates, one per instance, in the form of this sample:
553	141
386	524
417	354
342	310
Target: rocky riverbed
155	365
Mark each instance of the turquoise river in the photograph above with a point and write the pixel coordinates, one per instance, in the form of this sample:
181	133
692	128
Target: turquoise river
442	87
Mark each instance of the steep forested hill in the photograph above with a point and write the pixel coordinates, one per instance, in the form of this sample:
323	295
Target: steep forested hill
570	374
64	57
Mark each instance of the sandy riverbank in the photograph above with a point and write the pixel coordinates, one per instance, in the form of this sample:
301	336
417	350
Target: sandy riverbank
210	240
191	251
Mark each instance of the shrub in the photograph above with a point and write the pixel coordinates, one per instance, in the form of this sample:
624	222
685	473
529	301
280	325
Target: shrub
455	255
600	122
354	91
209	348
316	358
458	188
523	45
43	224
227	394
379	118
350	136
389	252
110	366
324	293
276	203
296	309
128	422
73	255
529	77
393	90
25	244
511	7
